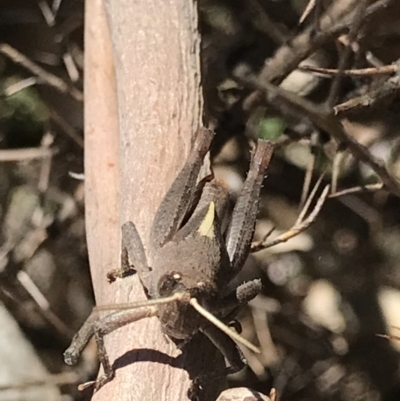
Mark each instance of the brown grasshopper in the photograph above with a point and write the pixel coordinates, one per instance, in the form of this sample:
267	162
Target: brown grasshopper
196	247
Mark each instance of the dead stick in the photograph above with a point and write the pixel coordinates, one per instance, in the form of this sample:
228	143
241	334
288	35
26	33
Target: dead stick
35	69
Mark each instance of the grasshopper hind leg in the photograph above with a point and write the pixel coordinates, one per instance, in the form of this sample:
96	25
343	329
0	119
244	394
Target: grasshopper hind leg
243	221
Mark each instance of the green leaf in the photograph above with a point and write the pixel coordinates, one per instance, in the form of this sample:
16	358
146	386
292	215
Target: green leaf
271	128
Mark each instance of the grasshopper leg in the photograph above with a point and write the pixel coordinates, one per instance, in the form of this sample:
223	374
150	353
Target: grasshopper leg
178	199
100	328
243	221
133	257
227	347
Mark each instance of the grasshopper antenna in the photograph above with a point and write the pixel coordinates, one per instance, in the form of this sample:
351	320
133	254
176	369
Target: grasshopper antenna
140	304
223	327
195	304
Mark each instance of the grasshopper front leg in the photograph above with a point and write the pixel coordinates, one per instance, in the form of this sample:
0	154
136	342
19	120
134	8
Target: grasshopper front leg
133	259
99	328
133	256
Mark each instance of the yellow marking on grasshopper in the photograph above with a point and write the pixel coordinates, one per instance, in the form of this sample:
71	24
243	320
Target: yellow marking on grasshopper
207	225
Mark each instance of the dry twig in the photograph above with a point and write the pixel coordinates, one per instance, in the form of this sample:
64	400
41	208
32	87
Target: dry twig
60	379
307	11
345	56
361	72
35	69
65	126
307	180
335	21
326	122
16	155
265	24
301	224
388	89
354	190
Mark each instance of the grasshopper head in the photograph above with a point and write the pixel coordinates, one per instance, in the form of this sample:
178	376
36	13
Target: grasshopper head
194	284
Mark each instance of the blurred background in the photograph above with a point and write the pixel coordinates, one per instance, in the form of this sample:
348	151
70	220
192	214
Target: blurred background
328	293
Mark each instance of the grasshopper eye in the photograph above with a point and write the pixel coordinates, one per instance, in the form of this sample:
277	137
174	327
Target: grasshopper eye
169	283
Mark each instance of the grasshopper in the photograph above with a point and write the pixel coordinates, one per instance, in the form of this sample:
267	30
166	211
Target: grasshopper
196	248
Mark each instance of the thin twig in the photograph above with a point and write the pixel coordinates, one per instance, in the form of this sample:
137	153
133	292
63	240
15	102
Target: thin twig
390	336
70	66
35	69
20	85
77	176
300	225
360	188
278	33
373	60
43	305
16	155
47	12
336	167
327	123
273	395
307	204
362	72
60	379
65	126
307	180
317	15
335	21
371	10
56	6
372	98
289	56
345	56
307	11
45	167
